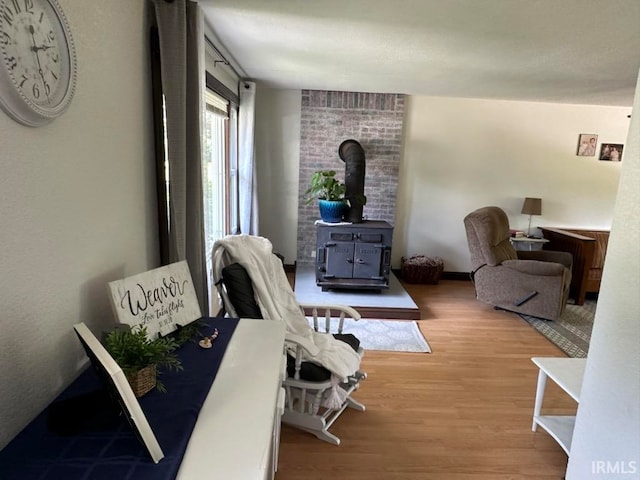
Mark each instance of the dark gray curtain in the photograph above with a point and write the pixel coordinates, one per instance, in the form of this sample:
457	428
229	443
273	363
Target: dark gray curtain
181	58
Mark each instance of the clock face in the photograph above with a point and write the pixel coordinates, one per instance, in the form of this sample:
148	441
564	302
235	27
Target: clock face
37	71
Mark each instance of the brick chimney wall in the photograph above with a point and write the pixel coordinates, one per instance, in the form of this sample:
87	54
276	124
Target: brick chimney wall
375	120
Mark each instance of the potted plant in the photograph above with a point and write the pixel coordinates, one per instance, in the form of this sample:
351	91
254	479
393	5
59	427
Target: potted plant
330	194
140	357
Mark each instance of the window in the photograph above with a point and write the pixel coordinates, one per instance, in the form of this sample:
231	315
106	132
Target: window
219	169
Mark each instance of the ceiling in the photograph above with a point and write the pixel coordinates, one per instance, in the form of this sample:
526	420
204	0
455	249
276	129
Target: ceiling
563	51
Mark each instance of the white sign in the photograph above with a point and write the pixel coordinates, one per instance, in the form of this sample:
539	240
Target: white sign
113	376
159	299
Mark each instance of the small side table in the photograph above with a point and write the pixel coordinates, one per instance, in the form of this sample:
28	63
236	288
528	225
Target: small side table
568	374
528	243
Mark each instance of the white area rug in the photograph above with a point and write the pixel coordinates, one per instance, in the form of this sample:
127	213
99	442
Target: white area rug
389	335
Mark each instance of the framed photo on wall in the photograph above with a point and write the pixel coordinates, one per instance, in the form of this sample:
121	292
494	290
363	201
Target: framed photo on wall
611	152
587	145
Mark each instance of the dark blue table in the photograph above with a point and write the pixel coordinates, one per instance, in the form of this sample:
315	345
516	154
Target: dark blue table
111	450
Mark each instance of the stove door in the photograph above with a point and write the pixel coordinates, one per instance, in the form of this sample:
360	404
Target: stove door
339	262
367	261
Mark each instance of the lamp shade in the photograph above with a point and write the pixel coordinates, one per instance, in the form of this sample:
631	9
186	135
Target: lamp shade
532	206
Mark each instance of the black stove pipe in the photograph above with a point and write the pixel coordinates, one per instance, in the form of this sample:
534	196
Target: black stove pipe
352	154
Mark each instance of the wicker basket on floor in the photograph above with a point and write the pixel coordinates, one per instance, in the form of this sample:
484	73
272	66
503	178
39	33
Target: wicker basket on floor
421	269
143	381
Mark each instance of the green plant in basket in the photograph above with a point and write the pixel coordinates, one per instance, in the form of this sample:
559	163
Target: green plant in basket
133	351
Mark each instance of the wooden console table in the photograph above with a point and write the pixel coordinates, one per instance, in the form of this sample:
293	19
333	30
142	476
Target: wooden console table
568	374
588	248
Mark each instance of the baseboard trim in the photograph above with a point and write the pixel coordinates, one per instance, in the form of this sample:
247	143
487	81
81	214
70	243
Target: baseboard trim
291	268
456	276
445	275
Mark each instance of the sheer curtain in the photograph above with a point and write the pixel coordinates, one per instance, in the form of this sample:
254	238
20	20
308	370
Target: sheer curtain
247	184
181	52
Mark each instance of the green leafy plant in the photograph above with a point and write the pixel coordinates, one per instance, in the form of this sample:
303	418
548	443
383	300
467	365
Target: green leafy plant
190	332
133	351
325	186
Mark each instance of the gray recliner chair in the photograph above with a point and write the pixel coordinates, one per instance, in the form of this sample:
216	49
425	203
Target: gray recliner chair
534	283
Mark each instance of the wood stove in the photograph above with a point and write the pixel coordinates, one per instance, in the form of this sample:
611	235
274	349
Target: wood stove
354	256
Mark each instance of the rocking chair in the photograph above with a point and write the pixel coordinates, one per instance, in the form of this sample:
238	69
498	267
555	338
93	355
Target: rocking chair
322	369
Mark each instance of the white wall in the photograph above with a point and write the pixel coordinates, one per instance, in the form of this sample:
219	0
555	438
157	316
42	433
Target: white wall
606	442
458	155
278	156
77	203
461	154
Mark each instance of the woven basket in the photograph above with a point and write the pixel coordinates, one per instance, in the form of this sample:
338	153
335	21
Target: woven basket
421	269
143	381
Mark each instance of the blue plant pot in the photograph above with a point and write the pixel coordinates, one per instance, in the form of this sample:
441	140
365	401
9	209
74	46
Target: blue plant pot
331	211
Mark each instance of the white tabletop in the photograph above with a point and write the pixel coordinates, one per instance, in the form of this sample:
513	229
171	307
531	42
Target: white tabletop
566	372
529	239
232	437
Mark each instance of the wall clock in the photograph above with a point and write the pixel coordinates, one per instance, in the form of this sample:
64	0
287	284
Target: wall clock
37	61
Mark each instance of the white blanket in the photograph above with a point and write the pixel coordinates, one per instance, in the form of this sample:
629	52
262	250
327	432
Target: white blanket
278	302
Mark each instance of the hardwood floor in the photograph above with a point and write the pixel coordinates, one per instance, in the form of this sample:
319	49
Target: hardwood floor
461	412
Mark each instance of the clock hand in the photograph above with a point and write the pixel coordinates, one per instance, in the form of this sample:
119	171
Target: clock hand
43	47
32	31
35	50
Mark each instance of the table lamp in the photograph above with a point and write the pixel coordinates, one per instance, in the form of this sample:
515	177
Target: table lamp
531	206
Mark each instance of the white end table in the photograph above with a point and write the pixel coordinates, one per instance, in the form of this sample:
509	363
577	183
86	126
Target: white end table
568	374
528	243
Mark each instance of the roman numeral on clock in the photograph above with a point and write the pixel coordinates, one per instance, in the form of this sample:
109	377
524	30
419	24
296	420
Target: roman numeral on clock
7	14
